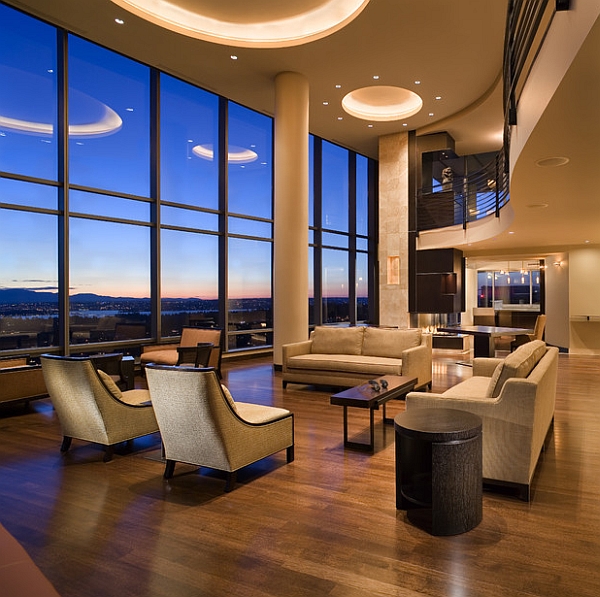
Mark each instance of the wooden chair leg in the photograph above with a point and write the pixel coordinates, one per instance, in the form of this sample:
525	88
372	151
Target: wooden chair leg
169	469
66	443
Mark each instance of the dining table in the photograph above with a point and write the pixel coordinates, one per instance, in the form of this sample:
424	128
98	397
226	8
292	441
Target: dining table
484	336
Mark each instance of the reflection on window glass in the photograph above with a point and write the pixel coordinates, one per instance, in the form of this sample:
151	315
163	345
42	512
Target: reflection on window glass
28	280
249	300
311	285
250	162
188	218
189	144
250	227
362	195
28	104
335	286
362	287
28	194
109	278
107	206
335	187
189	280
109	120
500	288
311	180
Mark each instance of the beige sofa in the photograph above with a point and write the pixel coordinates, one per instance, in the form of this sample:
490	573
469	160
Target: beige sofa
515	398
348	356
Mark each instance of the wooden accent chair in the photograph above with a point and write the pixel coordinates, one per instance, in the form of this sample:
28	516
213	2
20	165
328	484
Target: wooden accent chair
91	407
201	424
167	354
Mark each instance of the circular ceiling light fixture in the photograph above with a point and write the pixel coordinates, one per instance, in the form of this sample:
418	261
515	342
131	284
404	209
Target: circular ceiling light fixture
236	155
382	103
257	24
552	162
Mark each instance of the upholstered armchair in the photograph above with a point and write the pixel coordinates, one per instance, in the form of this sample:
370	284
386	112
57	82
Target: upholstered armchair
168	354
91	407
201	424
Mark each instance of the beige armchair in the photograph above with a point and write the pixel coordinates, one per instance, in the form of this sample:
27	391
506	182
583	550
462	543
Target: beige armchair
91	407
167	354
201	424
538	333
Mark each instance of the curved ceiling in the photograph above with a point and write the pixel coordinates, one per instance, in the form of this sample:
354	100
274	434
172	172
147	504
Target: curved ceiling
256	24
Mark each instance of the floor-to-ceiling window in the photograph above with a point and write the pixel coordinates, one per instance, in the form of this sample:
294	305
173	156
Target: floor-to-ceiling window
133	203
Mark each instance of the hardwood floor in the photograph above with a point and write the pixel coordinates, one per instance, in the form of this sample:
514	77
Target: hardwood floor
325	524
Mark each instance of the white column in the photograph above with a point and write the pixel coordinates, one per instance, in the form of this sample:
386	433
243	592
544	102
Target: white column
290	275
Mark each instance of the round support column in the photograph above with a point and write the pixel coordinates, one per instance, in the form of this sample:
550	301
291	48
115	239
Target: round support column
290	276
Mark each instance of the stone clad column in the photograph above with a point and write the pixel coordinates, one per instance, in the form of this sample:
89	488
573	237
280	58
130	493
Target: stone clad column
290	275
393	230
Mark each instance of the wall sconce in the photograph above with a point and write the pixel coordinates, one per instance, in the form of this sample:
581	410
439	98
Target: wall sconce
558	263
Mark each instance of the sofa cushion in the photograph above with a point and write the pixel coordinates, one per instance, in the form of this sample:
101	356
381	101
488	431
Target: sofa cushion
381	342
346	363
519	363
332	340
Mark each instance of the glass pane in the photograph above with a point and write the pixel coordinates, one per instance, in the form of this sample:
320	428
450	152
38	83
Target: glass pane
311	180
362	195
28	280
109	120
28	193
250	227
188	218
189	139
485	284
334	240
335	286
362	244
250	162
109	278
311	285
189	280
110	207
362	287
249	282
334	171
28	98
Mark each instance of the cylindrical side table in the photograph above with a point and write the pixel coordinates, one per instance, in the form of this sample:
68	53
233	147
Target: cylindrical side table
439	469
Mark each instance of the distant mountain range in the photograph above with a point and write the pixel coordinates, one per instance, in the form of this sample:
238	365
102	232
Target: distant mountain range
9	296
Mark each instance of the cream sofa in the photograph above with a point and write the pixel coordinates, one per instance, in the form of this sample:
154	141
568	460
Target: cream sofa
515	399
348	356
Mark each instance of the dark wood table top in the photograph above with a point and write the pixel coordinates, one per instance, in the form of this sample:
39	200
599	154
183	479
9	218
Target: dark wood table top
365	396
486	330
438	424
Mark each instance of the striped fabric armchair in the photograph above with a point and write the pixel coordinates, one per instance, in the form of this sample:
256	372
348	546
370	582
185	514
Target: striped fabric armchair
201	424
91	407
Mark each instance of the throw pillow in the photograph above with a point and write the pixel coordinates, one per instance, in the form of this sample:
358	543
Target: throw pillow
229	397
110	385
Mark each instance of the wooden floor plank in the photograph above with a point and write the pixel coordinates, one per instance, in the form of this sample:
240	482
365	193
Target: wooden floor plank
324	525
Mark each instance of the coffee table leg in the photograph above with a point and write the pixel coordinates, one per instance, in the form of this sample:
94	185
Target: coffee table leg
372	428
345	425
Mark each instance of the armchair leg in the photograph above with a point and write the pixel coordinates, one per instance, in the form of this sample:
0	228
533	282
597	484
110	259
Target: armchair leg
290	453
66	443
108	453
230	483
169	469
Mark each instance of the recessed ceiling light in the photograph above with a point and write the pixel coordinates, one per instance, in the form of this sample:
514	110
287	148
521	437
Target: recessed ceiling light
552	162
417	82
340	118
249	24
376	77
370	126
404	124
325	103
119	21
233	57
438	97
338	86
511	232
382	103
430	113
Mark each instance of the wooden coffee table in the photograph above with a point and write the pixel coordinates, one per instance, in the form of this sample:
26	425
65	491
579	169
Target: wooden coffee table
365	396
